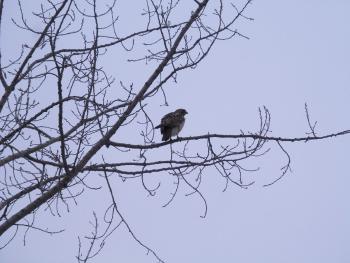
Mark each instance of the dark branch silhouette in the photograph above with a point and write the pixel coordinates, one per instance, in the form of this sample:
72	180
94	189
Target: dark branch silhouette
61	108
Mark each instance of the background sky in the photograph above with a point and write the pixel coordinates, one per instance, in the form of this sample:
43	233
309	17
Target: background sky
298	53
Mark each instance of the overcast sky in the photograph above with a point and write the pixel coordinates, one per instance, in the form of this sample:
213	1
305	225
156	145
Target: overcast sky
298	52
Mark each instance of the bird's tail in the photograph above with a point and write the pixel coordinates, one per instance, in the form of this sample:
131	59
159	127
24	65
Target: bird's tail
165	137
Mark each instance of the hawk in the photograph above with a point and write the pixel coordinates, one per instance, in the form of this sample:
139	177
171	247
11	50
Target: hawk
172	123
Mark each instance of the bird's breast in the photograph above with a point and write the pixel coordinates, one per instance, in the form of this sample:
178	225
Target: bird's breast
175	131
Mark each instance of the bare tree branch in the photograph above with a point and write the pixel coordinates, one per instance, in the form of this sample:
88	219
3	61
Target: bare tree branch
61	104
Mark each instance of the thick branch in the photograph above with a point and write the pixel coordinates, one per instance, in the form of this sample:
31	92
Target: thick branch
229	136
62	184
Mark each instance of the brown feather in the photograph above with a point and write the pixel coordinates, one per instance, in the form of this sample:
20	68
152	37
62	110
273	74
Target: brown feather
171	124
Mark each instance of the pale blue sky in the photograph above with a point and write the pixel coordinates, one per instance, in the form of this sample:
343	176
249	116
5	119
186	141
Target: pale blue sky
298	52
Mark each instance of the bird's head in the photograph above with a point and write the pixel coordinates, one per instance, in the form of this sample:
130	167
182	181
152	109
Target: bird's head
182	112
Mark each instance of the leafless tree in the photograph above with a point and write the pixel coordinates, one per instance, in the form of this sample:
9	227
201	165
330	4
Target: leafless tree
61	111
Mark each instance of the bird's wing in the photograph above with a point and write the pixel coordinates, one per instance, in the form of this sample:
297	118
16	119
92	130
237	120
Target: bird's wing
171	120
166	132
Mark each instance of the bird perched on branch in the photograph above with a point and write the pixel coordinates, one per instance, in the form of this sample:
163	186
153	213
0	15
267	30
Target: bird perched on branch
172	123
